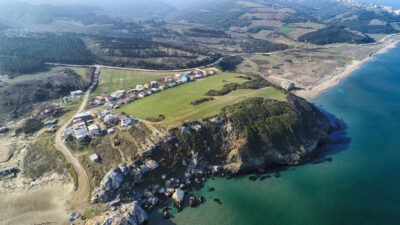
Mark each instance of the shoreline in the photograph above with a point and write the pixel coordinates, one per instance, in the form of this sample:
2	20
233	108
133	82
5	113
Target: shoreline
336	79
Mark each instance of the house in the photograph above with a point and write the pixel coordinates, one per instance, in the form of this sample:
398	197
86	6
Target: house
147	85
75	121
154	90
169	79
81	131
98	102
76	93
94	130
67	133
172	85
6	171
149	92
196	127
140	87
83	116
133	90
118	94
211	72
95	158
111	119
192	77
185	79
142	94
109	98
198	76
154	83
185	130
127	121
162	87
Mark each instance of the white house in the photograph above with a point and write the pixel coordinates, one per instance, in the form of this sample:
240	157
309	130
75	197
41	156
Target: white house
127	121
95	158
111	119
94	130
81	131
83	116
76	93
140	87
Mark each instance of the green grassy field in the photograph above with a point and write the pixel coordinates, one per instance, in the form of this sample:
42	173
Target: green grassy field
175	104
377	37
112	80
286	30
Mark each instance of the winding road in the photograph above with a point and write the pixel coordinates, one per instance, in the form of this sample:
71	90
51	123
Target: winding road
81	195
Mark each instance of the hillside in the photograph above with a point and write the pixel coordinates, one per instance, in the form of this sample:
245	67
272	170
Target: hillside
332	35
19	98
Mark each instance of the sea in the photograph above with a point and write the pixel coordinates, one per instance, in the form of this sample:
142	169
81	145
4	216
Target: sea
356	182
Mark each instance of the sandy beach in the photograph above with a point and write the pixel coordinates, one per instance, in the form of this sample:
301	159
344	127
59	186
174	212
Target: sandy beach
349	69
26	201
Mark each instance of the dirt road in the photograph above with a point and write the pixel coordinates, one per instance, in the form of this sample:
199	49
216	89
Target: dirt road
81	195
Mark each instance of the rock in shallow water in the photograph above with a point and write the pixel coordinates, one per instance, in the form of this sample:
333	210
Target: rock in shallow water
177	197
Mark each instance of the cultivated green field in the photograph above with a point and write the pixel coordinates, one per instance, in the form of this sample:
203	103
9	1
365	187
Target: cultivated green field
174	103
112	80
286	30
378	37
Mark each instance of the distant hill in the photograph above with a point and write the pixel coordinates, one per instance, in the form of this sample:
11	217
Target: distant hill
330	35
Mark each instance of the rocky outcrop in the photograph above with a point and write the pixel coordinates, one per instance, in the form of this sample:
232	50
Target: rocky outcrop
113	180
127	214
108	187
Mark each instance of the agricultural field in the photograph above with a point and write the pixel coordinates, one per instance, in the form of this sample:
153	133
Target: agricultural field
175	103
377	37
112	80
286	30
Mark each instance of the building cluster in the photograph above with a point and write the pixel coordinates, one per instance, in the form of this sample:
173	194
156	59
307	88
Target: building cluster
355	3
86	126
121	97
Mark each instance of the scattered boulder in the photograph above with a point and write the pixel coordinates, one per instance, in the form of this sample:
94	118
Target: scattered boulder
201	199
165	214
3	130
177	197
192	201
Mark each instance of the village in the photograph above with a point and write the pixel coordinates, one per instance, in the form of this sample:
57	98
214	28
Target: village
100	120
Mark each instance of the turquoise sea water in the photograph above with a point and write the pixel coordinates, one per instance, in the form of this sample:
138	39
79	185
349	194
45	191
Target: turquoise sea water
361	185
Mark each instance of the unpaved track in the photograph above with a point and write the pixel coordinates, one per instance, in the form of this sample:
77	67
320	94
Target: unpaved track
81	195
